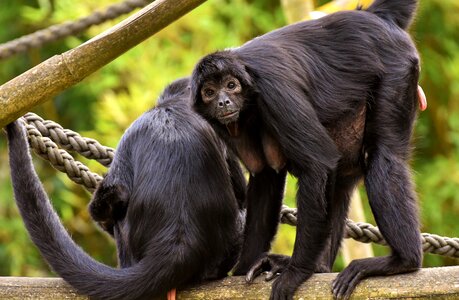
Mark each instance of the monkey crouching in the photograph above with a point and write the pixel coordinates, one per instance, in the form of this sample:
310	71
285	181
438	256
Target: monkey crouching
168	200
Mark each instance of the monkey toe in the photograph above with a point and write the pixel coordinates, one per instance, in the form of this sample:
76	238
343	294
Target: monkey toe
346	281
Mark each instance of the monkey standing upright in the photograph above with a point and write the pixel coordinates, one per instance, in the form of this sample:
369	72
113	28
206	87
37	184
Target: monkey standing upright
331	101
168	199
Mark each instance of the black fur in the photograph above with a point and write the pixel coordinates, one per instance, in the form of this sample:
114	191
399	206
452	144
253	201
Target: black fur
399	12
167	199
339	95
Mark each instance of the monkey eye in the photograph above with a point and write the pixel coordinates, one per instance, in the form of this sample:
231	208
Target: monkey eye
209	92
231	85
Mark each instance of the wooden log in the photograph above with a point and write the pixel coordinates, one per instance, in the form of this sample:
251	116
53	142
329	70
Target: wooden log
18	288
59	72
429	283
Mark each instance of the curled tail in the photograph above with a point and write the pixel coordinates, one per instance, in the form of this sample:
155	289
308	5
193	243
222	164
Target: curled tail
86	275
400	12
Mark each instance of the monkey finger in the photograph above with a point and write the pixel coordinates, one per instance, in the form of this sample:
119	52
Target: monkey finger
252	274
271	275
255	270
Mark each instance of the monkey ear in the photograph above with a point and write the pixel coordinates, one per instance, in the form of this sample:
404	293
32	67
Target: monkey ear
246	76
195	86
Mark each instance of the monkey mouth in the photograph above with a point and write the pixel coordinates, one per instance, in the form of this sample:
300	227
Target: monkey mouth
230	120
229	117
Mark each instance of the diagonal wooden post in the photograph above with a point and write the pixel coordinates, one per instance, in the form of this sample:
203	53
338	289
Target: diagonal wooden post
60	72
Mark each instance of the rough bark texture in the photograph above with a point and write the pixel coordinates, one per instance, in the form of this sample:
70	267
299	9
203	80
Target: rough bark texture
437	283
54	75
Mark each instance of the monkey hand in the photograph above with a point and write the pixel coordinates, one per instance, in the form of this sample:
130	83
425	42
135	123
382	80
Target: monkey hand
273	264
287	283
246	263
287	277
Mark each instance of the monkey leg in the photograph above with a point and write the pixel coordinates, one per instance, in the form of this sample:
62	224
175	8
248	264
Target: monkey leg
393	204
389	188
338	212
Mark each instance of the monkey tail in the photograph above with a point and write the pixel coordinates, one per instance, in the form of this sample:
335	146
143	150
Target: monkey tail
86	275
400	12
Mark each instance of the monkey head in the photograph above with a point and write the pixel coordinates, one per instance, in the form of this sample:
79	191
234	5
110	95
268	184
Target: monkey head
224	98
221	87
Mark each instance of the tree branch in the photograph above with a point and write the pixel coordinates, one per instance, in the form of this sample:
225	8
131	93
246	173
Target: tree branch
59	72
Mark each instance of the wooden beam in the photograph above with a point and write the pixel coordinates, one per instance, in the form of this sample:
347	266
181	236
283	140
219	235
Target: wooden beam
429	283
60	72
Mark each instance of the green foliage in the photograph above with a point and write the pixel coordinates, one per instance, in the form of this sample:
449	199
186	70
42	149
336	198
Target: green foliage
103	105
436	162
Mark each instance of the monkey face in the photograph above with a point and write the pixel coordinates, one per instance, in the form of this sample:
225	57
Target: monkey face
223	99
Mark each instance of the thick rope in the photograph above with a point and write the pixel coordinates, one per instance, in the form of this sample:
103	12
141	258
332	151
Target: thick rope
56	32
61	159
70	140
43	133
367	233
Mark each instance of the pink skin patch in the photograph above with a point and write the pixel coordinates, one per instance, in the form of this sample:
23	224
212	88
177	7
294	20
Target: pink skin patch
422	99
171	295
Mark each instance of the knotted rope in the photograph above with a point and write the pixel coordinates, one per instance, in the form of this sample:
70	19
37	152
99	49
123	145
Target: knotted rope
367	233
70	140
56	32
59	158
43	136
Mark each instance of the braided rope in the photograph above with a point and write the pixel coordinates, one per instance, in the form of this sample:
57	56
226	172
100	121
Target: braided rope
56	32
70	140
61	159
42	133
367	233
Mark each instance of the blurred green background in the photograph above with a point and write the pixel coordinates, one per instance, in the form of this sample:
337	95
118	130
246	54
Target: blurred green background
105	103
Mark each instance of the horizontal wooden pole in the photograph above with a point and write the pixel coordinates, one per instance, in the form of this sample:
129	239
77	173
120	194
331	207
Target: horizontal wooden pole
58	73
428	283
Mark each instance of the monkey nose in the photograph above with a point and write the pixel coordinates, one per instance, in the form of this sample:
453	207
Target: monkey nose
224	102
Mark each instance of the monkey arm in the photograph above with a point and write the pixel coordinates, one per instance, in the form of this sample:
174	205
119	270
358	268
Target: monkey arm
264	200
237	180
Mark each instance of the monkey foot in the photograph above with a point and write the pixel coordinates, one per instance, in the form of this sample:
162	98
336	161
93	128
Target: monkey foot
347	280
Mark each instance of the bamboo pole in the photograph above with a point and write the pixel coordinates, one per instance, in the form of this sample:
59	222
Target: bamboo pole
429	283
60	72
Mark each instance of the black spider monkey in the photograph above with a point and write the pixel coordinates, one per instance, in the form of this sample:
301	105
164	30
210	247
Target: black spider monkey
331	101
167	199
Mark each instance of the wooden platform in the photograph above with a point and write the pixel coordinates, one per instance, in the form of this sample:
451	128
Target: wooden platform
429	283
